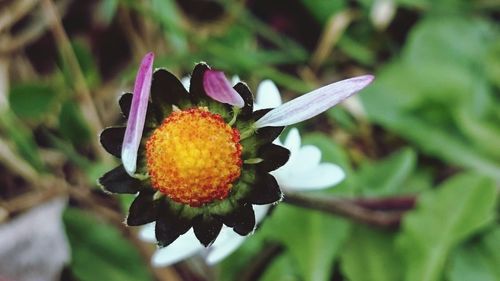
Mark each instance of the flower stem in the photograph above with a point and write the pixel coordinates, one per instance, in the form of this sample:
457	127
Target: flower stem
390	203
356	209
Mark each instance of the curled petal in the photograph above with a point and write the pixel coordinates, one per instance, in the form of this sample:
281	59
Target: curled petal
218	88
137	115
313	103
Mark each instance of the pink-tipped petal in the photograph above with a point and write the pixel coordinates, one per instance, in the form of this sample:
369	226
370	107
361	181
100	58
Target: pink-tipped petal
218	88
137	115
313	103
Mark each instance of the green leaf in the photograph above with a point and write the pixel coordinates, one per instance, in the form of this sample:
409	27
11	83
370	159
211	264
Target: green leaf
231	267
313	240
442	219
23	139
357	50
482	133
167	14
99	252
370	255
437	96
87	64
339	116
107	10
387	177
322	10
72	124
493	65
442	7
281	269
448	146
477	259
460	41
32	100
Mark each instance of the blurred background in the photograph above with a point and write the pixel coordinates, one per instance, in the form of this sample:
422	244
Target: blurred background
420	146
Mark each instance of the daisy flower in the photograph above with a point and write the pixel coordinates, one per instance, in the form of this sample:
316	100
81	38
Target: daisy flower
302	172
201	159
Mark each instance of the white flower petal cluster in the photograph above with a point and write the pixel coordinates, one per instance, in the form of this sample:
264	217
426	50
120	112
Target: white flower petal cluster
303	171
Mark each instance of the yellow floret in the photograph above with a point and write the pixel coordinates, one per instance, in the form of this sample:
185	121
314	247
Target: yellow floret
194	157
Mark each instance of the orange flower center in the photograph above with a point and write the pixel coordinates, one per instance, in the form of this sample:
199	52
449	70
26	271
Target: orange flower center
194	157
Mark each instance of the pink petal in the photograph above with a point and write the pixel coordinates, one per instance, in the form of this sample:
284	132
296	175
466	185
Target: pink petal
218	88
137	115
313	103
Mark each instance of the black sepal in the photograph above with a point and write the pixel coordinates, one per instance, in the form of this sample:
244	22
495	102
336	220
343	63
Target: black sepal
125	103
242	219
118	181
259	113
111	139
166	89
246	94
170	225
196	89
265	190
144	209
274	156
268	134
207	228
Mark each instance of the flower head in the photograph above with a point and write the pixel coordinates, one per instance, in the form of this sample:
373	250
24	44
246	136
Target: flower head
200	159
295	175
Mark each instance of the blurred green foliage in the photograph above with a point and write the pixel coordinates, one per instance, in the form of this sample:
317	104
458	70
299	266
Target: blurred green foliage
435	102
99	252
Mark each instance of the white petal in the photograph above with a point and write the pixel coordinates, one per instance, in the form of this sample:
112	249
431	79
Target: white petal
268	95
185	246
186	81
313	103
292	141
323	176
260	212
307	158
235	79
226	243
147	233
